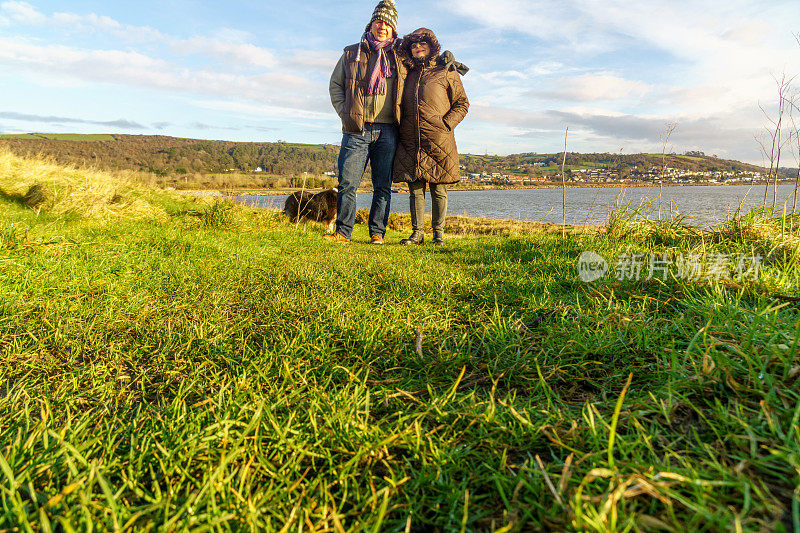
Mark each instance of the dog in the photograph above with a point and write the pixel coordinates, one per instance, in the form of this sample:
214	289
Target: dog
319	207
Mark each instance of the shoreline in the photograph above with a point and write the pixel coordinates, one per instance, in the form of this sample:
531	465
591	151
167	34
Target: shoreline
222	193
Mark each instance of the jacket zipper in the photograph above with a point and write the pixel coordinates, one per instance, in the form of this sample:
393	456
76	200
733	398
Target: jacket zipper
417	170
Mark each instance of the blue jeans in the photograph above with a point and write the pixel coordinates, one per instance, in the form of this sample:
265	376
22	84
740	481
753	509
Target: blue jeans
377	145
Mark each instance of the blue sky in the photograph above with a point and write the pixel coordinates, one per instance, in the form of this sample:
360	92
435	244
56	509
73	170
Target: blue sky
616	72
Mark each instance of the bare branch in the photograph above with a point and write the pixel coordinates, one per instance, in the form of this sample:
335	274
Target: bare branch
774	134
669	128
795	136
564	185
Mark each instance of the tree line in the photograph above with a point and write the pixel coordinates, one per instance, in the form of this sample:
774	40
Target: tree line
169	155
192	162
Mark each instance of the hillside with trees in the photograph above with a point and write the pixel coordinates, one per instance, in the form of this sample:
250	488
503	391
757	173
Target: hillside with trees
530	162
170	155
208	164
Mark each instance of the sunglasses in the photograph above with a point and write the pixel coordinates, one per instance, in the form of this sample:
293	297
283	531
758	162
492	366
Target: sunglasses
420	43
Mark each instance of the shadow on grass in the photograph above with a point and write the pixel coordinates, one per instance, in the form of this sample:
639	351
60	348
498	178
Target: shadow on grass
14	198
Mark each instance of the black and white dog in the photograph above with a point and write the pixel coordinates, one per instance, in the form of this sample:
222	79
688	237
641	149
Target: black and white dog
319	207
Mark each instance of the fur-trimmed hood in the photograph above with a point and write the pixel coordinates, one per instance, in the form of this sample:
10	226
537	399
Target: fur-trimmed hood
422	34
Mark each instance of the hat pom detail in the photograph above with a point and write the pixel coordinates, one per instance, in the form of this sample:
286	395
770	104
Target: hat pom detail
386	10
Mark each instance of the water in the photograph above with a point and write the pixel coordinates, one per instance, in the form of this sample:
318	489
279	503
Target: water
705	204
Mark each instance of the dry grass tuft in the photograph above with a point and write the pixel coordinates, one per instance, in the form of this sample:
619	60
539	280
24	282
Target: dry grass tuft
461	225
37	196
781	232
59	190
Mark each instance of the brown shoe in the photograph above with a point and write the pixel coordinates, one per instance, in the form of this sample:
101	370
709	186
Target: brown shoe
376	239
336	237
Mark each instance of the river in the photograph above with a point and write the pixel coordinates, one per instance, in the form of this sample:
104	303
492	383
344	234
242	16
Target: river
702	204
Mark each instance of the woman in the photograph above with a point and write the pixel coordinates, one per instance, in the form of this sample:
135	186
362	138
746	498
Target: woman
433	104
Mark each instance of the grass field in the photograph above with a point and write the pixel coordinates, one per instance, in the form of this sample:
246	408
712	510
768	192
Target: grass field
680	156
172	364
556	169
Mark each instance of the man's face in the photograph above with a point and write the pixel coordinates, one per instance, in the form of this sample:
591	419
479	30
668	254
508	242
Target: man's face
381	30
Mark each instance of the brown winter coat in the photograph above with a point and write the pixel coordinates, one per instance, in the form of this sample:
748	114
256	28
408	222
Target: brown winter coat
350	80
433	104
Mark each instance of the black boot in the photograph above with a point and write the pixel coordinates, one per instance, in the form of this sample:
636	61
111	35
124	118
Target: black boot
438	237
417	237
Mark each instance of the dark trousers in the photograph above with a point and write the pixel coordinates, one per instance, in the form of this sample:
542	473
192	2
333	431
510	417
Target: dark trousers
416	191
377	146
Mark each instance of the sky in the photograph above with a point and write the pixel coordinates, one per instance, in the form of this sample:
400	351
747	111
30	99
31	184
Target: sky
614	72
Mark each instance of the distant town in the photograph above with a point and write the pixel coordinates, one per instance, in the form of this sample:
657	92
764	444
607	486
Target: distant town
636	175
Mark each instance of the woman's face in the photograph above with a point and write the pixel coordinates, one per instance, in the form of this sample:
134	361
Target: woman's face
420	50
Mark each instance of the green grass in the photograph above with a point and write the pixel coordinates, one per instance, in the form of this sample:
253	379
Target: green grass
557	168
680	156
220	369
60	136
313	147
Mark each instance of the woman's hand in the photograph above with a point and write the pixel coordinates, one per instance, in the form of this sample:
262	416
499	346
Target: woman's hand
444	123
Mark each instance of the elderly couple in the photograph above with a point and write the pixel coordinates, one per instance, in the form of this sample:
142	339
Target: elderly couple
399	102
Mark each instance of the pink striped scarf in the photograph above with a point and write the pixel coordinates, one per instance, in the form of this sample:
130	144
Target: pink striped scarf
382	70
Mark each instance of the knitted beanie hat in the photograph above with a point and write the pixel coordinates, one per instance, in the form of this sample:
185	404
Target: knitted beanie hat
386	11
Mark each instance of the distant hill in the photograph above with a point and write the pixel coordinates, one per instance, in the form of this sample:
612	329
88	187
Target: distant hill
170	155
788	173
175	156
60	136
526	163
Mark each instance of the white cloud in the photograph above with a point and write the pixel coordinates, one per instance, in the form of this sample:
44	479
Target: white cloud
750	33
230	45
593	87
692	97
234	53
322	61
21	13
735	45
49	119
249	110
502	77
136	69
243	55
728	134
233	35
705	63
686	28
92	23
546	20
280	81
546	68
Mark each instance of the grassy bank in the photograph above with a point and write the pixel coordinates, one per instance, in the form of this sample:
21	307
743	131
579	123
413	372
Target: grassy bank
179	364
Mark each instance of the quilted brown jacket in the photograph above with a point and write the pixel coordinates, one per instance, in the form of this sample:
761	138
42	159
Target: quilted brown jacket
348	87
433	104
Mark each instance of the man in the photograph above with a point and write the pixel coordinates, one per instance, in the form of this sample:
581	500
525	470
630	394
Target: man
365	90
